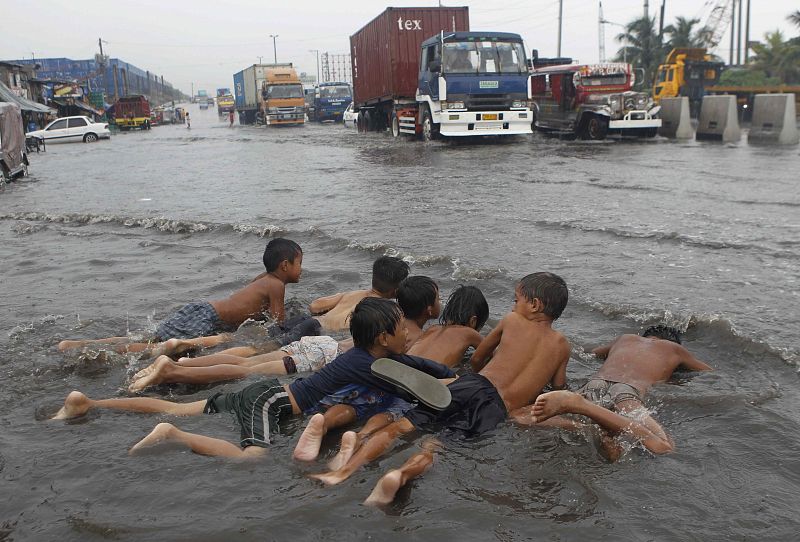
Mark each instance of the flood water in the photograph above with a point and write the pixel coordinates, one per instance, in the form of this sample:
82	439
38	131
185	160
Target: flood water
107	239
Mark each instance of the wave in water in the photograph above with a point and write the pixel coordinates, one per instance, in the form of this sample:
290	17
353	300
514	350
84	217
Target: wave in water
706	325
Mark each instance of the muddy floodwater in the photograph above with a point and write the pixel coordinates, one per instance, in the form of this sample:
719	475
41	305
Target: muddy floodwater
106	239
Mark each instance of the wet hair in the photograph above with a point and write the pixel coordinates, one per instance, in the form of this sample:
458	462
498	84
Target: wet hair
415	294
371	317
280	249
464	303
387	273
548	288
663	332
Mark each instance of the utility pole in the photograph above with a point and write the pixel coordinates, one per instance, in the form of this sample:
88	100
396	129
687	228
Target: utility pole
560	18
601	34
274	46
733	29
661	20
317	52
739	38
259	59
646	9
747	36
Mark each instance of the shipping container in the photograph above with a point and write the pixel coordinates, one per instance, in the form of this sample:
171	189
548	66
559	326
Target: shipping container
385	53
248	84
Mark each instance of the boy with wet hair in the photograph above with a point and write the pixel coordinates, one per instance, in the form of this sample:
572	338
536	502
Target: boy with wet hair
463	317
418	297
283	261
526	354
613	397
261	409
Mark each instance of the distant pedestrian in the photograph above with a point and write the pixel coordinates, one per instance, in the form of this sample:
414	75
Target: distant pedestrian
188	121
230	117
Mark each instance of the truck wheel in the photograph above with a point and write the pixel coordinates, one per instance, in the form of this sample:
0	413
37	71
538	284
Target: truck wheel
362	122
595	128
89	138
395	125
429	130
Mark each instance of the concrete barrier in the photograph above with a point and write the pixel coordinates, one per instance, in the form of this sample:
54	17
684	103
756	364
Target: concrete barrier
718	119
675	121
774	120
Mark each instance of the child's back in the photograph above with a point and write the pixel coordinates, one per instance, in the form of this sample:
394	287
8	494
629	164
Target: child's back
446	344
263	295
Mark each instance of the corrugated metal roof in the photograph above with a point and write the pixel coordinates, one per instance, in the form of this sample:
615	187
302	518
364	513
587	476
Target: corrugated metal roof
25	104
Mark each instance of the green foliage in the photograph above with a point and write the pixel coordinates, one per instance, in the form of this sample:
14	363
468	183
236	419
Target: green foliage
746	78
777	58
683	34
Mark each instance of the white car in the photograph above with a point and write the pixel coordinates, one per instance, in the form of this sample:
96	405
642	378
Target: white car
350	117
72	129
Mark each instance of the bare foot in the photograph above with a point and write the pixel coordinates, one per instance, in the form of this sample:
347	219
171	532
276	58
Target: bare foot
346	450
153	377
173	347
386	489
307	448
146	371
328	478
67	345
76	404
550	404
160	433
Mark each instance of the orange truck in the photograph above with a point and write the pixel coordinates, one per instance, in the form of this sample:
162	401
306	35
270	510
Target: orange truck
270	94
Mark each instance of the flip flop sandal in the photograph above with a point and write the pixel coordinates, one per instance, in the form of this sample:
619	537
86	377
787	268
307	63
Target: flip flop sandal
429	390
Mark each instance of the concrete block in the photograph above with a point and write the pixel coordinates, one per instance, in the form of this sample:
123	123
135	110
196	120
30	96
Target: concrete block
675	120
774	120
719	119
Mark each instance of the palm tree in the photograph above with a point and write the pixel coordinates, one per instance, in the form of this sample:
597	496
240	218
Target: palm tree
777	58
794	18
642	47
683	34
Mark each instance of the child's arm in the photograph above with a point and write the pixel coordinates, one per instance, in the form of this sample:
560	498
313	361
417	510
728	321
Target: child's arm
559	380
475	339
691	363
276	306
324	304
483	352
602	351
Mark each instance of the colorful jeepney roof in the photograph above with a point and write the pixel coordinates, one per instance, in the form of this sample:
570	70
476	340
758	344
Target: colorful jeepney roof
589	70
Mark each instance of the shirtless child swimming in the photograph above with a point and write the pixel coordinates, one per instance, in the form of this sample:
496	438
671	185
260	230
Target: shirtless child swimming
526	354
283	261
613	396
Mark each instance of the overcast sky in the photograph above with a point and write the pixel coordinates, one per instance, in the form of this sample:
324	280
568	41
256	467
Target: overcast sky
205	42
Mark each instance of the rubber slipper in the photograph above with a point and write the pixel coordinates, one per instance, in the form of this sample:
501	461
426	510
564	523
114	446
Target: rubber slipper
429	390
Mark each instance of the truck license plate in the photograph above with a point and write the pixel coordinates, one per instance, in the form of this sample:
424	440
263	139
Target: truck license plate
492	116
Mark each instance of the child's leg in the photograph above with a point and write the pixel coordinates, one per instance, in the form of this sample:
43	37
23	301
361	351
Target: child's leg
67	345
164	370
172	347
376	446
308	445
352	441
78	404
231	359
199	444
388	486
559	402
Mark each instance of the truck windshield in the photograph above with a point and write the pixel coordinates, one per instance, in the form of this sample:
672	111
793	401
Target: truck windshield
484	57
334	92
284	91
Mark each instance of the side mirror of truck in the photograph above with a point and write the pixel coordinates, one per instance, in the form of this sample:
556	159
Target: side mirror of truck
638	78
435	66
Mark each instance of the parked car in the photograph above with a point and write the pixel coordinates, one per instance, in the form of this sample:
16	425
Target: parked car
13	158
73	129
350	116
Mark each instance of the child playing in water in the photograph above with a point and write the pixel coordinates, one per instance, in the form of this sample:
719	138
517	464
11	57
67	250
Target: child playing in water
283	261
613	396
378	330
464	315
526	354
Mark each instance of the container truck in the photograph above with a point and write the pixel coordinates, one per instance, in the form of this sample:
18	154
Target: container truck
330	101
202	99
270	94
225	101
420	71
132	112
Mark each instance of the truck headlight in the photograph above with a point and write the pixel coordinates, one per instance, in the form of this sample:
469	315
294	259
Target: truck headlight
455	105
641	102
516	104
614	102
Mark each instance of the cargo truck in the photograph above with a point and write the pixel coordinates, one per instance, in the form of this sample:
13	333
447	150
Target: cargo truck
687	71
270	94
202	99
420	71
132	112
225	101
330	101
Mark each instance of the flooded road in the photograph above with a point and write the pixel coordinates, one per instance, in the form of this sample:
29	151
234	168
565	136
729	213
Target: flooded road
107	239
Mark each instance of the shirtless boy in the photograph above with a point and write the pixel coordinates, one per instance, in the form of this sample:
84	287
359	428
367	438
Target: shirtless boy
526	354
283	261
378	330
613	397
464	315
